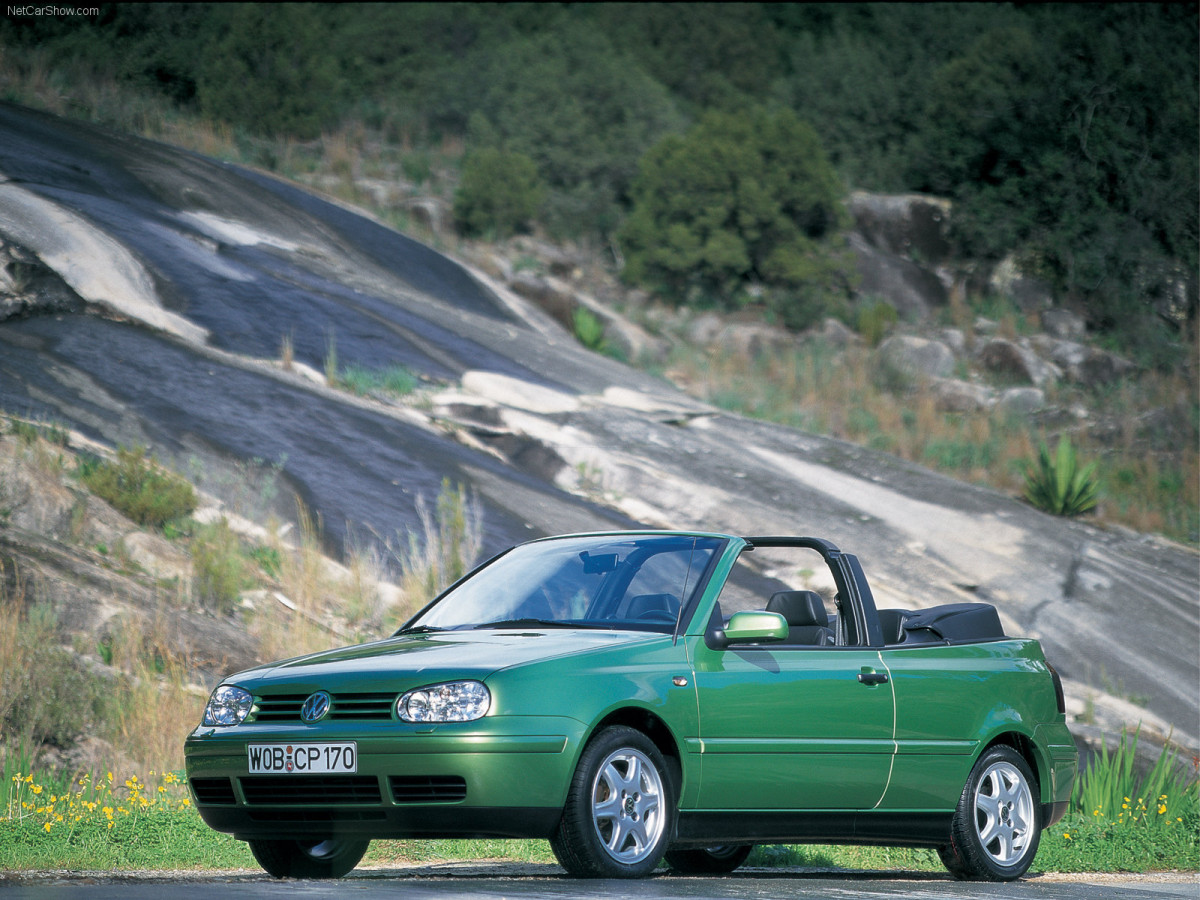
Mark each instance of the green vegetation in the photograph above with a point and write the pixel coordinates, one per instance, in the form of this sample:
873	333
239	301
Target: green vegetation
589	330
221	569
1145	480
499	193
742	202
444	551
139	487
1058	485
98	821
1125	819
390	382
1065	134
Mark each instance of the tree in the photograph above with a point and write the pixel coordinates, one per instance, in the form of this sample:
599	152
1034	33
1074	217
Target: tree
1072	139
269	71
743	203
584	113
499	193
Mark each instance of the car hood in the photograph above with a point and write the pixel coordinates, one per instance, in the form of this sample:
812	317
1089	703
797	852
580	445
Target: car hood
425	657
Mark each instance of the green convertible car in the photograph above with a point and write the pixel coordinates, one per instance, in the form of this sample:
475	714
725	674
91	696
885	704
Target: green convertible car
639	695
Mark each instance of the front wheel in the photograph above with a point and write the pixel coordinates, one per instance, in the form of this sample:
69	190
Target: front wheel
308	859
719	860
620	808
996	828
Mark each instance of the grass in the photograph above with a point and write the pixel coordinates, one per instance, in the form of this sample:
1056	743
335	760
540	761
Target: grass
137	486
112	823
1147	466
387	383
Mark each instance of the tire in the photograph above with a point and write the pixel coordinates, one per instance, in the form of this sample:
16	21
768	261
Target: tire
330	858
620	809
719	860
996	828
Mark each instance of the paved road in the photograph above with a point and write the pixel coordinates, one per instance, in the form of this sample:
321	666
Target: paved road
501	882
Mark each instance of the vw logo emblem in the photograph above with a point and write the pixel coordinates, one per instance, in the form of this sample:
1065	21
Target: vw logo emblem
315	707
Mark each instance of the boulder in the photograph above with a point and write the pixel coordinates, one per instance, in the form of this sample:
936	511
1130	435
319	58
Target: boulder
1020	402
1010	359
431	213
914	291
954	339
957	396
835	334
1063	324
906	225
1085	365
549	294
910	360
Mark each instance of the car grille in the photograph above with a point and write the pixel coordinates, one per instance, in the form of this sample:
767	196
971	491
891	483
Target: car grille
346	707
275	790
213	791
427	788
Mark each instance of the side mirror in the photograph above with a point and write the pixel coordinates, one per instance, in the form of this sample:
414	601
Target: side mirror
752	628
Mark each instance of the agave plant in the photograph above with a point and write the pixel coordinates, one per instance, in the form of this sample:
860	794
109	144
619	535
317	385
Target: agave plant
1057	485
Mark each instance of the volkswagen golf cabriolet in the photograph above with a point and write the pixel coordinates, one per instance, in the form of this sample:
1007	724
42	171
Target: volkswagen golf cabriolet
640	696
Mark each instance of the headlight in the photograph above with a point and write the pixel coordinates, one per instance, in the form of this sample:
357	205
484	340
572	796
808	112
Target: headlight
228	705
456	701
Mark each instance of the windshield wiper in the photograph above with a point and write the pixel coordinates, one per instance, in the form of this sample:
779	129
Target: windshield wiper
531	623
418	629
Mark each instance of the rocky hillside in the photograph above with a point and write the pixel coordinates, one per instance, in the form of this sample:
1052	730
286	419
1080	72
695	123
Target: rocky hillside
211	313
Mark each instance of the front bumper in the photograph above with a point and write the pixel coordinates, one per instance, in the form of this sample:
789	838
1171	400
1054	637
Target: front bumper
498	777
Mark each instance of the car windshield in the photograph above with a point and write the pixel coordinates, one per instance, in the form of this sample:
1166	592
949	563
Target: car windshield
635	582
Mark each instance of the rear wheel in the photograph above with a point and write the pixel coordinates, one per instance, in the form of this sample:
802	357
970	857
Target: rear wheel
997	825
620	808
719	860
329	858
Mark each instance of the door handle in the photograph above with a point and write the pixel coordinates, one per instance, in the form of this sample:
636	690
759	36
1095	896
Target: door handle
872	678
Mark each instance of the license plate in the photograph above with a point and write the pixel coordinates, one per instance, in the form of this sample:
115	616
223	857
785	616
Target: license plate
302	759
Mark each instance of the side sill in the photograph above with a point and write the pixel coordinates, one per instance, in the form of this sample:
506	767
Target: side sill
910	829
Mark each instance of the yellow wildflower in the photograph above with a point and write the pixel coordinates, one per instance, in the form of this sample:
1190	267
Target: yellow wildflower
46	827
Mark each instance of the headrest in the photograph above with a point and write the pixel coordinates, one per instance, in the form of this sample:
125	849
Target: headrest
800	608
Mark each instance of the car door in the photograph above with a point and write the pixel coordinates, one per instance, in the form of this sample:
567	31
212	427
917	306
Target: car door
787	727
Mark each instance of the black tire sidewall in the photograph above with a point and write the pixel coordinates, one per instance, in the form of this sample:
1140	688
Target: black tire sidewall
290	858
973	861
703	861
576	842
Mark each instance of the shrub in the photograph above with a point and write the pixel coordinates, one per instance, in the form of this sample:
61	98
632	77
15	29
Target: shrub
444	551
220	570
499	194
396	381
589	330
45	695
1111	789
139	487
743	201
1057	485
875	321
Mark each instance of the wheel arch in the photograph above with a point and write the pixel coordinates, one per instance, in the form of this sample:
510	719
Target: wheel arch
649	724
1025	746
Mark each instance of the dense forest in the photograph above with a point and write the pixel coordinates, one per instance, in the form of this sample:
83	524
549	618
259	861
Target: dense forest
712	145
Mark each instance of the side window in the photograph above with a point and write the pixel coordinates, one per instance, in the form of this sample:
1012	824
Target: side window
796	583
